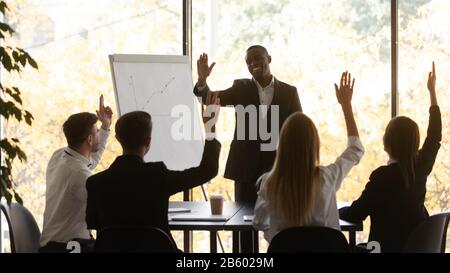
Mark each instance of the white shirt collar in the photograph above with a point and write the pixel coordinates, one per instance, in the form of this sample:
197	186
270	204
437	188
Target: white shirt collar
271	84
392	161
84	160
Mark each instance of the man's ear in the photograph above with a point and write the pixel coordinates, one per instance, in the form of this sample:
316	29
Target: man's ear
269	59
385	146
387	149
90	139
147	144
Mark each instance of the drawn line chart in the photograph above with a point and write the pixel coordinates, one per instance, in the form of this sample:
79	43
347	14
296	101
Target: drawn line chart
162	91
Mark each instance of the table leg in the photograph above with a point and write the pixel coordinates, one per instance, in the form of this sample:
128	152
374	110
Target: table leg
1	232
352	239
187	235
187	241
236	240
255	241
213	241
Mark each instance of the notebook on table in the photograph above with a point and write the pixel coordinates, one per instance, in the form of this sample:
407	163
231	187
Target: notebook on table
178	210
199	217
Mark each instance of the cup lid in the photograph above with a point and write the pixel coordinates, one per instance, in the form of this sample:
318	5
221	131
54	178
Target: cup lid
216	196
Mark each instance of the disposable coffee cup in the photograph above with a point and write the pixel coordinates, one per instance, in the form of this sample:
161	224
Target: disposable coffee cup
216	204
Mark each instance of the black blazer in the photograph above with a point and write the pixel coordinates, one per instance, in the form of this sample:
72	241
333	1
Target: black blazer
246	162
395	210
134	193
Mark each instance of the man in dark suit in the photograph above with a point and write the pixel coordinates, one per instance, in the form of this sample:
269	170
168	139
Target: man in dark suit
134	193
273	100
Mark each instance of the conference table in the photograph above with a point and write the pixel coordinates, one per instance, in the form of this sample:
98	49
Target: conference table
196	216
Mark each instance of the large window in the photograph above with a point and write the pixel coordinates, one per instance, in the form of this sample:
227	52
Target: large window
424	28
71	40
311	43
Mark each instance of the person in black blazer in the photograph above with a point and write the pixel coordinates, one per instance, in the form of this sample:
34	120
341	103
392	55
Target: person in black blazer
247	160
395	194
134	193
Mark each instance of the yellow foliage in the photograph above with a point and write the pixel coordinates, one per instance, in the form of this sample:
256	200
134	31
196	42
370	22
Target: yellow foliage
309	50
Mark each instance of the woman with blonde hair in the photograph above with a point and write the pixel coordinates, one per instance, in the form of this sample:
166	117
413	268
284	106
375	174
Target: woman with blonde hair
298	191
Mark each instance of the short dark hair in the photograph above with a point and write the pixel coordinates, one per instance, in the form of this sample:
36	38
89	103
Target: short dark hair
133	129
78	127
258	47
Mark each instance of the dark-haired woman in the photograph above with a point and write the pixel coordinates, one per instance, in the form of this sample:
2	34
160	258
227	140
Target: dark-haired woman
395	194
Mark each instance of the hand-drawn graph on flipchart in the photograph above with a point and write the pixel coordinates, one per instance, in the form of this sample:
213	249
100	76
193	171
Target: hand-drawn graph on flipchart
157	85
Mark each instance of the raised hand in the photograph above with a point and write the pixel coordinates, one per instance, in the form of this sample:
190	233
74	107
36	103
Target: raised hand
104	114
203	68
344	95
210	112
431	84
344	92
211	107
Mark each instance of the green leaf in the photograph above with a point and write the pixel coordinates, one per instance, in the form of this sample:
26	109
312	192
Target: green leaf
8	148
12	59
4	170
16	55
17	114
3	7
21	154
12	149
4	108
8	197
4	143
17	98
15	94
6	28
16	90
22	59
31	61
8	109
6	61
28	118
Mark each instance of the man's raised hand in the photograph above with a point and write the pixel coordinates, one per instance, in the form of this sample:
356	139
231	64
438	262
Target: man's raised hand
104	114
203	68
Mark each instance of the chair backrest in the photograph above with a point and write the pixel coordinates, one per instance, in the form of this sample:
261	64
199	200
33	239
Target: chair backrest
134	239
309	239
429	236
24	232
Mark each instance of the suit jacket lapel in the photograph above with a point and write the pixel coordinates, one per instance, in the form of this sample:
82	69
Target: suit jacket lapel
254	93
276	92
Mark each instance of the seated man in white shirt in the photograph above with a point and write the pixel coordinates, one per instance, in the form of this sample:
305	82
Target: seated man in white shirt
67	172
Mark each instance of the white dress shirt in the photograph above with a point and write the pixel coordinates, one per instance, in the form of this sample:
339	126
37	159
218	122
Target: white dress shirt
325	212
66	195
265	95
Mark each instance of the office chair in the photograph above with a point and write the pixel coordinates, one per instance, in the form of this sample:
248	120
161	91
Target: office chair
429	236
309	239
132	239
24	232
